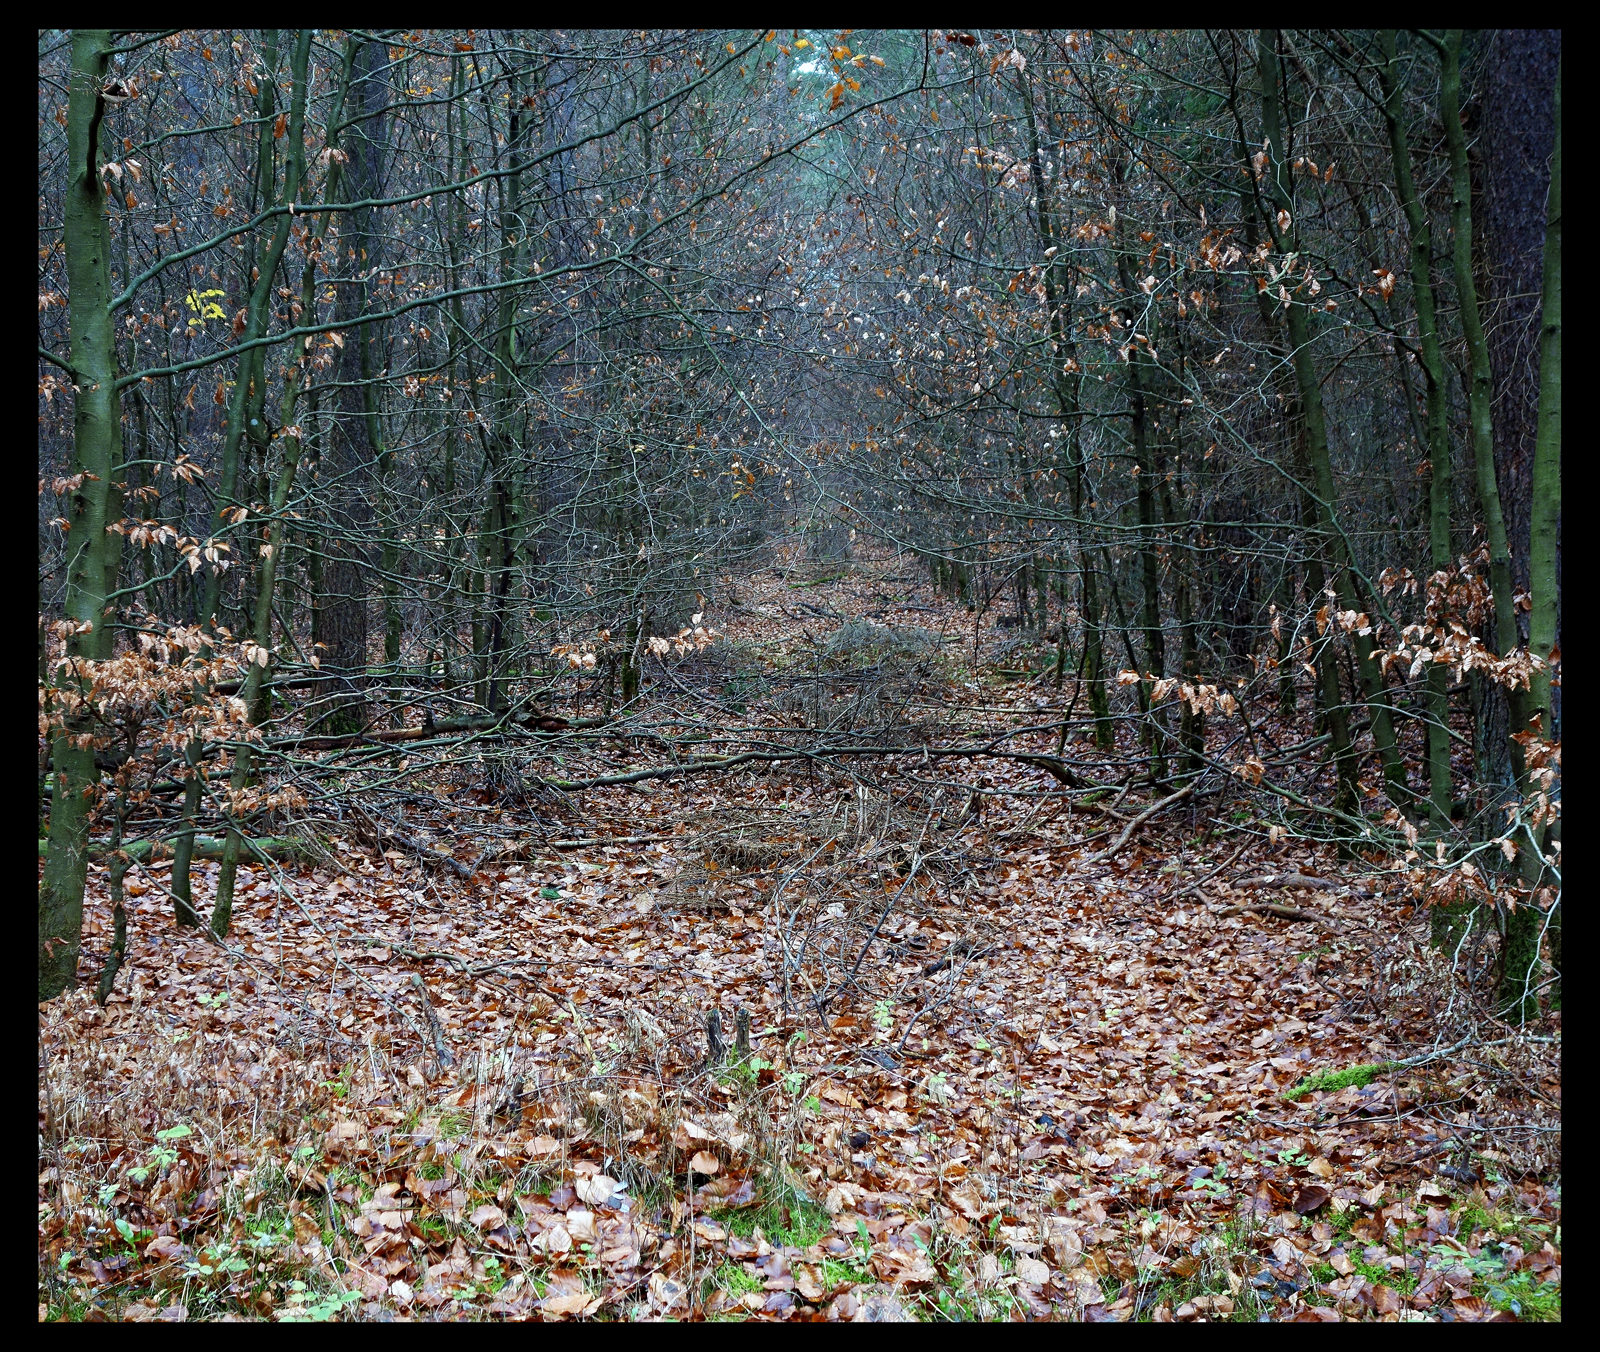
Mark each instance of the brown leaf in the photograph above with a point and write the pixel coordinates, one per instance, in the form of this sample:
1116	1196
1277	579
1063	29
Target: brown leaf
687	1134
1032	1271
808	1280
1310	1198
573	1304
167	1248
597	1189
1385	1299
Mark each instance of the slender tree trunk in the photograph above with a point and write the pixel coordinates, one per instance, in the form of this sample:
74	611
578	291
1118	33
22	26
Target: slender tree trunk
294	169
1310	389
1438	435
1481	388
1155	649
355	453
1544	583
1518	72
1066	382
1333	713
246	420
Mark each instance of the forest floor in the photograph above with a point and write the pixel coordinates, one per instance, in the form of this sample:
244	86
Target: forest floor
999	1066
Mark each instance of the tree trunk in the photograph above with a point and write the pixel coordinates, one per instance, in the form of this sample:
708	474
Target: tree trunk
1310	388
97	448
1066	384
356	448
1524	925
1517	131
261	633
246	421
1437	428
1480	388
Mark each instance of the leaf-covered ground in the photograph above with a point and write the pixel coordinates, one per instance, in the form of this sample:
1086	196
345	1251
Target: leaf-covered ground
995	1068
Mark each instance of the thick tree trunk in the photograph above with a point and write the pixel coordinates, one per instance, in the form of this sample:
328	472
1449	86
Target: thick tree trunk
97	447
1518	76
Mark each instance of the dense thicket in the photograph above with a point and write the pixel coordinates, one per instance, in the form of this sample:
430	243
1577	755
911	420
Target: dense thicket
419	375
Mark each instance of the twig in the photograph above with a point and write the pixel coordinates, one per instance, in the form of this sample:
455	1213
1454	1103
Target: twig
1201	882
446	1060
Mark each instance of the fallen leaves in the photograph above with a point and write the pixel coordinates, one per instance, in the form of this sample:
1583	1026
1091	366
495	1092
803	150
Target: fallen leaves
1080	1102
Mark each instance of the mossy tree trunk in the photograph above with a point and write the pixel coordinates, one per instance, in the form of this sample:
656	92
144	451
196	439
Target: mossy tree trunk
97	453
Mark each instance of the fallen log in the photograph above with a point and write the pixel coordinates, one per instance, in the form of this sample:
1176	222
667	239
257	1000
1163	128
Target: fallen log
206	847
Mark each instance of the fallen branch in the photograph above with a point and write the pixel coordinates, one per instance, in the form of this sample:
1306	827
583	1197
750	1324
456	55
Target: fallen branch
295	683
533	722
1290	880
960	948
440	1050
825	612
821	753
1273	908
375	832
529	848
1137	822
1057	769
430	855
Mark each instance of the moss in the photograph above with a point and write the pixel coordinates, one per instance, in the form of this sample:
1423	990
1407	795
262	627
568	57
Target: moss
1379	1275
836	1273
732	1278
800	1223
1331	1081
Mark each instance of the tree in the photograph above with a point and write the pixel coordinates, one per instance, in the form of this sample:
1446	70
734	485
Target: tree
93	551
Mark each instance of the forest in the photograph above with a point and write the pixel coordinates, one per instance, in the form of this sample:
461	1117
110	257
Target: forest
802	675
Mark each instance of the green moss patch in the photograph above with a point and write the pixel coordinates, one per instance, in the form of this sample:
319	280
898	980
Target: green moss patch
1332	1081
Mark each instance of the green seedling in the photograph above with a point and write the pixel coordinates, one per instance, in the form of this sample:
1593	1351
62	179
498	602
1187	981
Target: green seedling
162	1155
